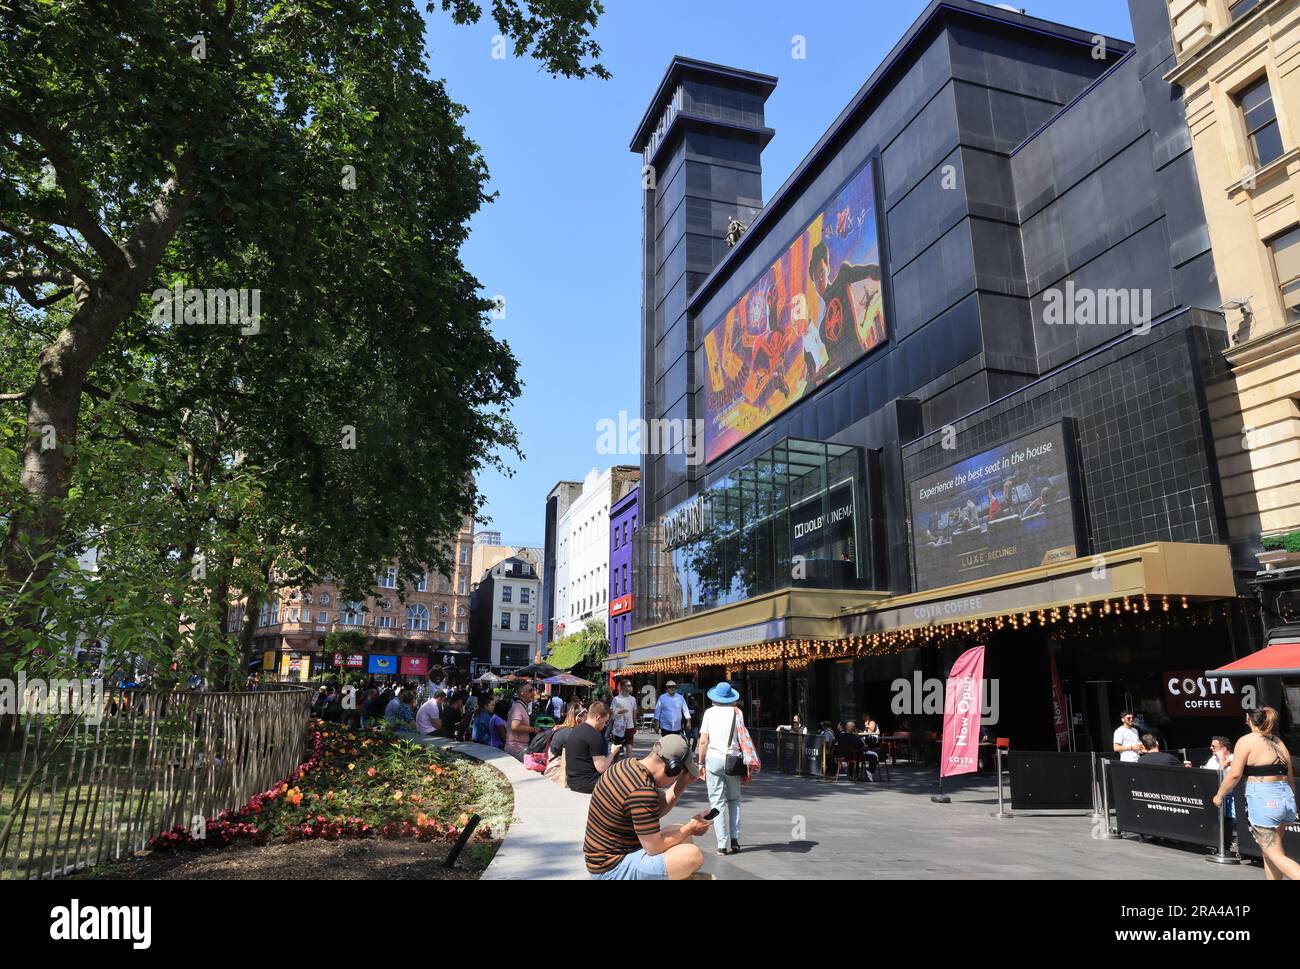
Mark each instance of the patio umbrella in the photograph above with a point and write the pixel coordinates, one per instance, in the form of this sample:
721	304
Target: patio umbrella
567	679
489	679
537	671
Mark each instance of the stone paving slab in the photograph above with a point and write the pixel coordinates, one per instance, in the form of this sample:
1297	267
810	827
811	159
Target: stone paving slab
545	838
805	828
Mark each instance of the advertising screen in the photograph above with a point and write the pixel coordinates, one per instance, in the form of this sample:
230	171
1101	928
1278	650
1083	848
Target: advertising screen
810	315
1009	508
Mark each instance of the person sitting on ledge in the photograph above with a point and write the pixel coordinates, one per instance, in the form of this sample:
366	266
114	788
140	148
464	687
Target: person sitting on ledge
624	841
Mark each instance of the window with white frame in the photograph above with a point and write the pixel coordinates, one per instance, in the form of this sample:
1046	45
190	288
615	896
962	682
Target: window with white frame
505	620
351	614
389	579
507	593
385	622
417	617
324	598
523	621
423	582
442	626
523	595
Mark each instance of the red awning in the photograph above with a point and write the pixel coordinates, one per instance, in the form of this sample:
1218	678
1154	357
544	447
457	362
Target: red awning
1279	659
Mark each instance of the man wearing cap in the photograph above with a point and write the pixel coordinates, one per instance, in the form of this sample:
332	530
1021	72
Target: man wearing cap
671	711
624	840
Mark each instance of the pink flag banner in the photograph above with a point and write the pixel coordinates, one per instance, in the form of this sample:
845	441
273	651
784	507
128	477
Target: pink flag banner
961	714
1060	723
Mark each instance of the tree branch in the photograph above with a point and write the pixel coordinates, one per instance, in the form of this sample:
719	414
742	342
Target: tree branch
49	251
56	150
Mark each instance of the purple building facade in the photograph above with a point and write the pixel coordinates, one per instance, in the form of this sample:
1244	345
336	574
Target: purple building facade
624	519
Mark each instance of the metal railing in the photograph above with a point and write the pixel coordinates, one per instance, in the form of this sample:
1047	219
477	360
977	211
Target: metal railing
82	788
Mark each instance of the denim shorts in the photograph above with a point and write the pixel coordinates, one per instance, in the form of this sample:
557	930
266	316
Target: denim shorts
638	866
1270	804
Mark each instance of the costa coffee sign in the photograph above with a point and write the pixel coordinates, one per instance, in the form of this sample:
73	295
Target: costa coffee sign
1190	693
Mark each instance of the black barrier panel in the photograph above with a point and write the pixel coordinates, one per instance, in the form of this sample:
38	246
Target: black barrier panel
765	746
787	753
811	761
1166	802
1247	846
1045	779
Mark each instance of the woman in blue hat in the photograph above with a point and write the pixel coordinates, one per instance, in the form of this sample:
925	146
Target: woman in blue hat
721	733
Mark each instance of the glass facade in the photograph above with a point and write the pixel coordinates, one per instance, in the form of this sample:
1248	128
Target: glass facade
789	518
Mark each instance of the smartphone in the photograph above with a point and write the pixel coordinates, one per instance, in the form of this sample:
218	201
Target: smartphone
711	815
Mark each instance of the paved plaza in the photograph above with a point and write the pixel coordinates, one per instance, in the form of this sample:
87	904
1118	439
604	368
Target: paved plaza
798	827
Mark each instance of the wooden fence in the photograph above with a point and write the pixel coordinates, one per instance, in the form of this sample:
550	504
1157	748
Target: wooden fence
84	787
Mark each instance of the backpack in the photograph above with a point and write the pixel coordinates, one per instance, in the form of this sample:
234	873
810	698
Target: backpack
541	743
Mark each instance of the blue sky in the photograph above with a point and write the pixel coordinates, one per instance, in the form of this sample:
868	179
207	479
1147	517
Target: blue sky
562	242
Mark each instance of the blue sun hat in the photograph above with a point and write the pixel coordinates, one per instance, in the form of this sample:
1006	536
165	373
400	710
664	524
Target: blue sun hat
724	692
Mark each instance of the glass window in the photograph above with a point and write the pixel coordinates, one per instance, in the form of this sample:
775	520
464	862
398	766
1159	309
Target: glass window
460	626
442	627
1256	103
523	621
524	596
323	617
417	617
1240	8
1286	262
324	598
507	593
505	620
461	586
423	582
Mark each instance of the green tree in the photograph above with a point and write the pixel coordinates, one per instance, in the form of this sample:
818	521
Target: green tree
298	151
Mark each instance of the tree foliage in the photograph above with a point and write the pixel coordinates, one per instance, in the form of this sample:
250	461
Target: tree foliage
299	151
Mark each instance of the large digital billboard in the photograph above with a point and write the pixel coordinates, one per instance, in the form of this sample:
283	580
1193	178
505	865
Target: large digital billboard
1009	508
813	312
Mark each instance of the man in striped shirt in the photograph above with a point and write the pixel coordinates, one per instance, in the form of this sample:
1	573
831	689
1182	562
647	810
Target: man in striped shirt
624	840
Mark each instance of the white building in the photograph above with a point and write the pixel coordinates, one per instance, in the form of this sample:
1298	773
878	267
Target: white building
507	606
582	551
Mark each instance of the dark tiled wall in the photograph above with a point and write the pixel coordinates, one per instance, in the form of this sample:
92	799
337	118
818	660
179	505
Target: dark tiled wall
1145	459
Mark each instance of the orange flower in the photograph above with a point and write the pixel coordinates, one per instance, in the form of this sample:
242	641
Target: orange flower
294	797
370	772
421	819
462	821
397	796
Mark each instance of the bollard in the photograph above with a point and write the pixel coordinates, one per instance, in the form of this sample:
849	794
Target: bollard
1105	804
1002	812
1096	791
1221	856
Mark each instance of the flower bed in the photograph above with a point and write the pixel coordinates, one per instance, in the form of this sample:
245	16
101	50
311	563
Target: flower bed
359	784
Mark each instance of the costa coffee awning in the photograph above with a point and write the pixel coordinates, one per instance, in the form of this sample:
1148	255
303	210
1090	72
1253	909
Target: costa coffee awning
1279	659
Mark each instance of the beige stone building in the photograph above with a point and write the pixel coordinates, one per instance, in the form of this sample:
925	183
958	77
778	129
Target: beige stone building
427	621
1238	67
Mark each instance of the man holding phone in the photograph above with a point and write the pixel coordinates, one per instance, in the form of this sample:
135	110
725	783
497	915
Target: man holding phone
586	754
624	840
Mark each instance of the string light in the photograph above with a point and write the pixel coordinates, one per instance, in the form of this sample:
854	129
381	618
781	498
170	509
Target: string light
1083	620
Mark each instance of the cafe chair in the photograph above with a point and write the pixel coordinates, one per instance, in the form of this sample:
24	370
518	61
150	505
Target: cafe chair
847	753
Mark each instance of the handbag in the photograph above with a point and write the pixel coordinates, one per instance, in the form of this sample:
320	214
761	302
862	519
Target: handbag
735	766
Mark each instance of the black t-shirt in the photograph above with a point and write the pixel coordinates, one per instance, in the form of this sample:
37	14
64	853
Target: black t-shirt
583	745
558	736
1161	758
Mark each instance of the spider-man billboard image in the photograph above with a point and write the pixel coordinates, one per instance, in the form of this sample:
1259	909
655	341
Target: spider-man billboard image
812	313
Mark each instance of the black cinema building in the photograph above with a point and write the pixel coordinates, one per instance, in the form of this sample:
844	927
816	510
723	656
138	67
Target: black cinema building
950	381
